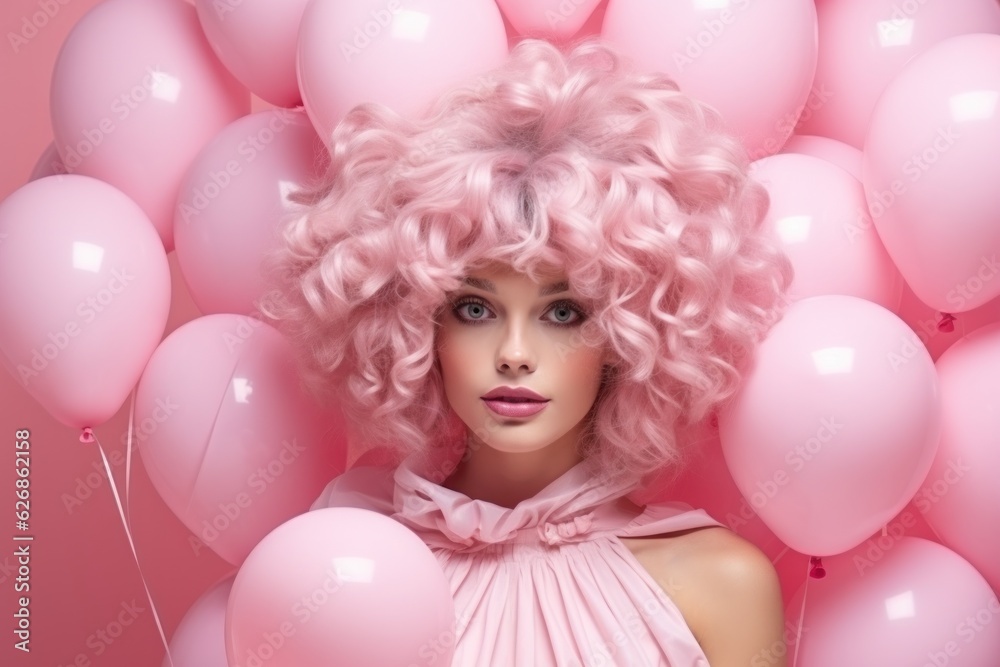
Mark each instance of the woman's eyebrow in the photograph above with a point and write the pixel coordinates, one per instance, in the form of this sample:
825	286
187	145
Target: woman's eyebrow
546	290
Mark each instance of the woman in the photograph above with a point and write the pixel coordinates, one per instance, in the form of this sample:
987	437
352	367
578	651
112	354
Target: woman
529	294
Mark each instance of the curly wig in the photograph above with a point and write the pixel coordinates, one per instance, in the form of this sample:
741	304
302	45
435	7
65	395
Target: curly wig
567	158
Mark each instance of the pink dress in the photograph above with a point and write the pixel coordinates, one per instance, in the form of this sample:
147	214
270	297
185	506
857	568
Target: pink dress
547	583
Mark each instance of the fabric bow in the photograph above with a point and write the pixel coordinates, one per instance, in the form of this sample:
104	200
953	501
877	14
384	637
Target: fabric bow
565	531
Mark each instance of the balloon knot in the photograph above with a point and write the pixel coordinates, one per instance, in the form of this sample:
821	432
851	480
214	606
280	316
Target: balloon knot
946	323
816	571
87	435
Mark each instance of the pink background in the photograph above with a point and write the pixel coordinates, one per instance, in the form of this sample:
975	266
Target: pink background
82	568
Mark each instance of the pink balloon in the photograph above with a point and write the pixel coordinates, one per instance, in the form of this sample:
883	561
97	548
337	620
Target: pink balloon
555	20
136	93
256	41
819	215
930	163
341	586
961	496
84	295
752	60
836	424
897	601
843	155
232	200
200	639
48	164
230	441
864	44
401	55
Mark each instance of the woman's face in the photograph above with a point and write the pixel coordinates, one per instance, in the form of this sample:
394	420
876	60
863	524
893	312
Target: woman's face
502	329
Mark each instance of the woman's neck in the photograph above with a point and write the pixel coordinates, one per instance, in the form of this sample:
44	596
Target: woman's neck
507	478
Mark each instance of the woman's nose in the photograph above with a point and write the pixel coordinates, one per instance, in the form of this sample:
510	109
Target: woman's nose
515	348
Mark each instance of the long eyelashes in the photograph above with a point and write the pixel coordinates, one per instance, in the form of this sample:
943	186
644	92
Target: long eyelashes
465	301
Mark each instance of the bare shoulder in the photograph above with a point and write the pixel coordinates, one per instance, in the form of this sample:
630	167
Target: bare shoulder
726	589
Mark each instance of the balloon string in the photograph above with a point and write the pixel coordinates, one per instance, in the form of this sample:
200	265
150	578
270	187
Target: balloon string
128	461
815	571
88	435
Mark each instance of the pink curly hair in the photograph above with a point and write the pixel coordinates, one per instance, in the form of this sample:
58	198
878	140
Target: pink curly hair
568	159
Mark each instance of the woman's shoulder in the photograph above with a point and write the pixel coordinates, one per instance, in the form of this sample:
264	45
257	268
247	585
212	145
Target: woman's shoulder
704	563
719	581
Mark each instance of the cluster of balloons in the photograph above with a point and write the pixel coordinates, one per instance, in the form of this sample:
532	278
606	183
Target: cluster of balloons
845	419
883	200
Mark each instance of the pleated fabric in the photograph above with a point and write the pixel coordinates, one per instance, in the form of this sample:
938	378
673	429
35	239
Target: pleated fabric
547	583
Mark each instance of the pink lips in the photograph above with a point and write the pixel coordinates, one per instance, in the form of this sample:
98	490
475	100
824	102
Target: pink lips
512	409
514	401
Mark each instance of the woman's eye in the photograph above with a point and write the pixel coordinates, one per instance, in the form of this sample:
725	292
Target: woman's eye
473	310
565	314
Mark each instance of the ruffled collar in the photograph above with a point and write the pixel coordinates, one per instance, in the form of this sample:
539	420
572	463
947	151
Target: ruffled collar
577	505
